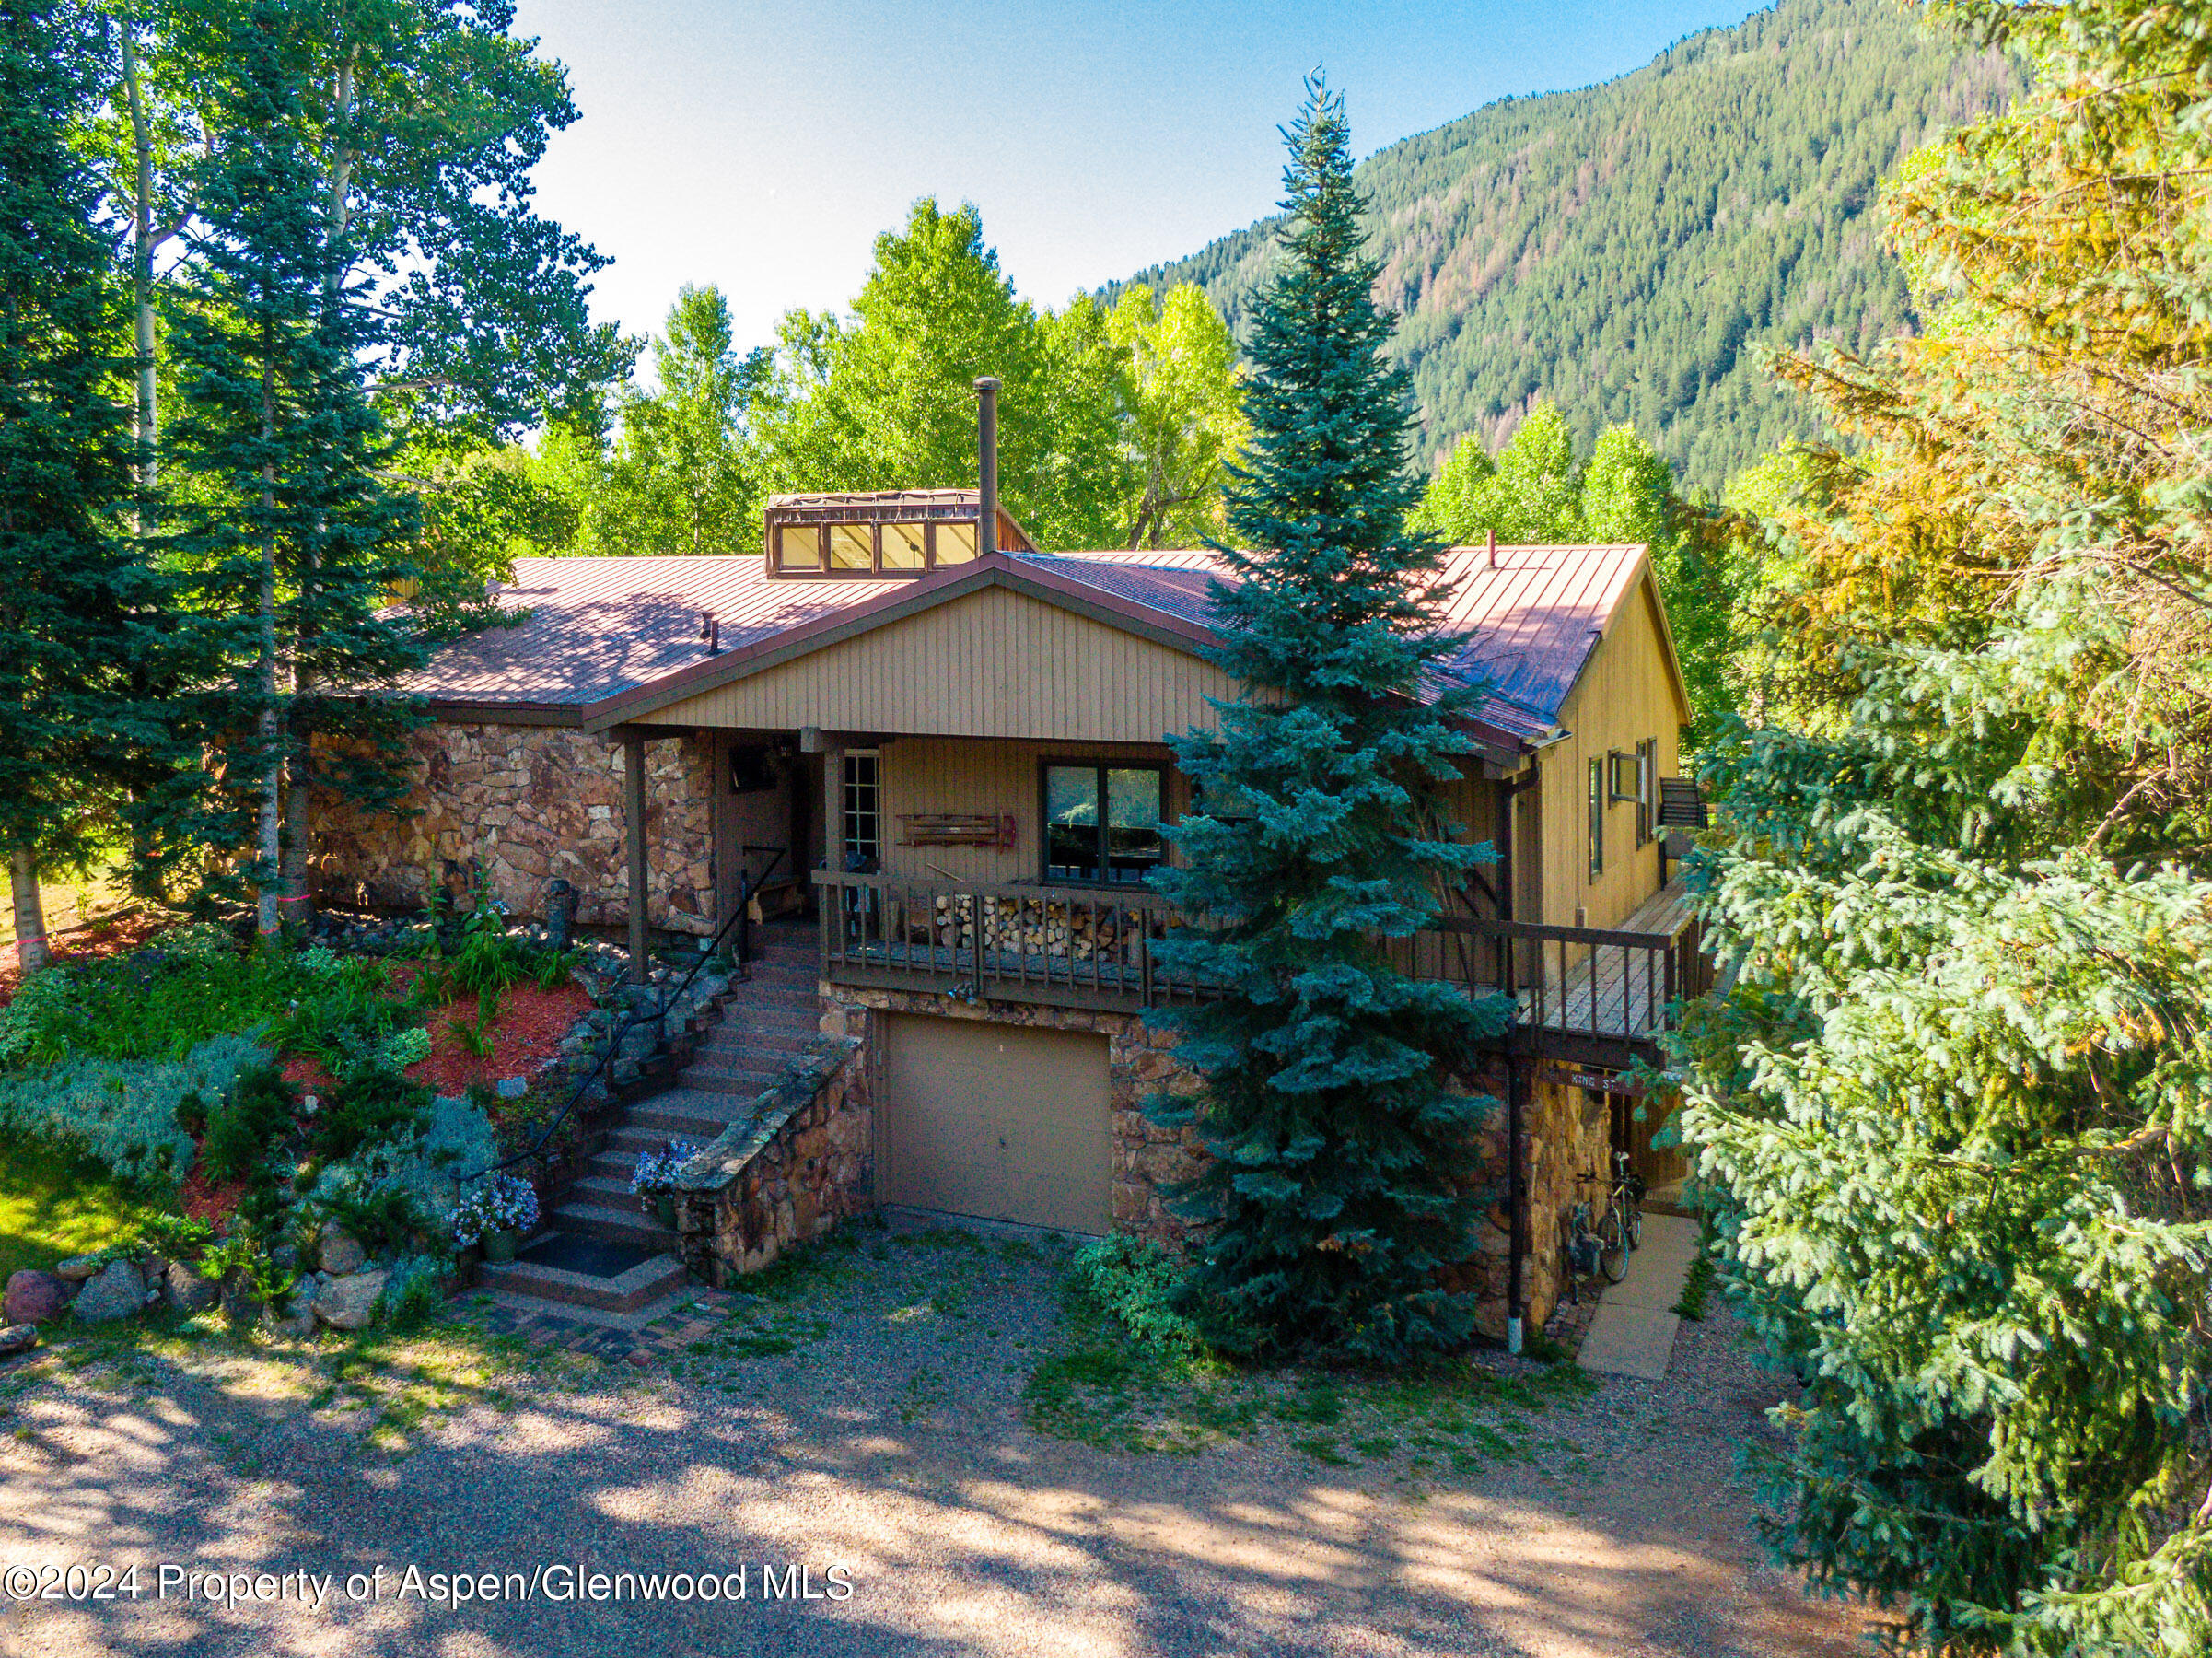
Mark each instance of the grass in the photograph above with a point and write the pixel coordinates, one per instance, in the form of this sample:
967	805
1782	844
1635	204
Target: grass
1696	1288
54	1201
1107	1390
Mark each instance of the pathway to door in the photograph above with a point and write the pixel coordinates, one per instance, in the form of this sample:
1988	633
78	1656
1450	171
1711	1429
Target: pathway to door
1633	1334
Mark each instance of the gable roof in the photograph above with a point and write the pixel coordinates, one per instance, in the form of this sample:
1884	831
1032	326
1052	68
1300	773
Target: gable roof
611	638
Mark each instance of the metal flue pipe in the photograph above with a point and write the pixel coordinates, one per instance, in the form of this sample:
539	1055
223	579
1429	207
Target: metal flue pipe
986	456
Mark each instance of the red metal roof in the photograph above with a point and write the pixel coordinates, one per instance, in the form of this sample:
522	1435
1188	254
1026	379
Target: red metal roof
597	628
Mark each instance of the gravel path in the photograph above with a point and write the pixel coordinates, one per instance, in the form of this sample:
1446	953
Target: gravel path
872	1421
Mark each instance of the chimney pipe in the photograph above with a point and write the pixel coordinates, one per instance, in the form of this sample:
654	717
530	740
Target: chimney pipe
1492	535
987	454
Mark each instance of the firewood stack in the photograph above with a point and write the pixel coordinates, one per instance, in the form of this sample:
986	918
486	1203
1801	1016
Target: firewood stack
1047	927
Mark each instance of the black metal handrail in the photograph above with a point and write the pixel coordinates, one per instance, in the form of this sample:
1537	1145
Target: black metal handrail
634	1017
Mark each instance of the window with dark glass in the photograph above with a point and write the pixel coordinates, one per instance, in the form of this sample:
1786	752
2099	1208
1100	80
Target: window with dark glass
1597	819
863	811
1101	823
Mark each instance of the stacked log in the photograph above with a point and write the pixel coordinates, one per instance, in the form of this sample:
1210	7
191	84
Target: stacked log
1046	927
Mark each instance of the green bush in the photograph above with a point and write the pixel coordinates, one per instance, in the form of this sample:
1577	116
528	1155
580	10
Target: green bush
1134	1279
413	1289
148	1005
370	1108
124	1112
253	1120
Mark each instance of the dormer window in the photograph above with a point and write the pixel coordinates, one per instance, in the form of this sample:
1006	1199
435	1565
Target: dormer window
895	532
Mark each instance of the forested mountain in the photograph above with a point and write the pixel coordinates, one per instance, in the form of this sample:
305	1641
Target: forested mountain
1622	248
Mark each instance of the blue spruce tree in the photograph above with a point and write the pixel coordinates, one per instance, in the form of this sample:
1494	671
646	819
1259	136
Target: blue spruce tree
1334	1201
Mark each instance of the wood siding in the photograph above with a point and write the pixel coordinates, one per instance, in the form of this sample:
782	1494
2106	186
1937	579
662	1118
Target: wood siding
955	775
996	663
1625	696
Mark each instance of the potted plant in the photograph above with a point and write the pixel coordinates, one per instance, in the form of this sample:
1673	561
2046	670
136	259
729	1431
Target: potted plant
655	1180
496	1215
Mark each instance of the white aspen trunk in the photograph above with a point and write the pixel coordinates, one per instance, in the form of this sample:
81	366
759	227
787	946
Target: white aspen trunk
141	281
32	951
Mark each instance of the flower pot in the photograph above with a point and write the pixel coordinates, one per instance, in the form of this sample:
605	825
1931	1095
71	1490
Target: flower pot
664	1205
499	1248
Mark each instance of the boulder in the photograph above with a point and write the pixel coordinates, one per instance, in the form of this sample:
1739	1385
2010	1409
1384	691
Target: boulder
78	1268
17	1339
341	1255
187	1291
511	1088
116	1293
348	1303
298	1318
33	1298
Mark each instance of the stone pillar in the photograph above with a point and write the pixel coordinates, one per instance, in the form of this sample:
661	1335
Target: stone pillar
634	832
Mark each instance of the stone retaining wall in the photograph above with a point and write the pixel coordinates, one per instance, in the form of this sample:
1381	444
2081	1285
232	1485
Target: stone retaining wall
529	803
784	1173
1140	1062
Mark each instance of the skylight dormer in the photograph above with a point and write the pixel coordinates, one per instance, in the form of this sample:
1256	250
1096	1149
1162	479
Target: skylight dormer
884	535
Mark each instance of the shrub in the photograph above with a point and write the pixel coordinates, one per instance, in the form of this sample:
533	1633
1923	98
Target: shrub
1135	1280
124	1112
413	1289
146	1005
383	1217
369	1109
246	1129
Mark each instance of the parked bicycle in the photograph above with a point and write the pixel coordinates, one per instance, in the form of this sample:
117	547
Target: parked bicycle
1601	1244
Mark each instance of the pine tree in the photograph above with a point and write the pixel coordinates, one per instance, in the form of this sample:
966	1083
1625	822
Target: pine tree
75	601
293	543
1332	1197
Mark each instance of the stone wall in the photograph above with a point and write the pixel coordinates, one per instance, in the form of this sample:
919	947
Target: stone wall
1140	1062
786	1173
528	803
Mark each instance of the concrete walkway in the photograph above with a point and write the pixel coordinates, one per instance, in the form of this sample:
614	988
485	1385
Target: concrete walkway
1633	1334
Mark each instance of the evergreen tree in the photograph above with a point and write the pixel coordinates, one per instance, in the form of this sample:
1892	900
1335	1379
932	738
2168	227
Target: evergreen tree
292	543
1332	1197
77	607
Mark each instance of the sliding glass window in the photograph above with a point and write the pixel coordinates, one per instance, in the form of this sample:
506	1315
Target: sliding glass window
1101	823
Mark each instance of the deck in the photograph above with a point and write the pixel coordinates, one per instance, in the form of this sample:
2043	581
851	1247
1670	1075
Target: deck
1588	995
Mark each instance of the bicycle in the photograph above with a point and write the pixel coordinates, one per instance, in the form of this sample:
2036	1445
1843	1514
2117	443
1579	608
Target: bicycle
1626	1196
1602	1246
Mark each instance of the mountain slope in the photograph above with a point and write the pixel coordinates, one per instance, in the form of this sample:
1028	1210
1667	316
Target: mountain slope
1624	248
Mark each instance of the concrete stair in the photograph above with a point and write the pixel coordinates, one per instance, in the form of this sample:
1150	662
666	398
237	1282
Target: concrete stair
765	1020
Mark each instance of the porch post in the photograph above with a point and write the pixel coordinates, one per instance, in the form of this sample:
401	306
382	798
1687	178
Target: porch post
634	830
833	807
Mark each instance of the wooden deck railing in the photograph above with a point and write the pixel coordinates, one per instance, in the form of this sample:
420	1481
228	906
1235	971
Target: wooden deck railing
1011	943
1097	947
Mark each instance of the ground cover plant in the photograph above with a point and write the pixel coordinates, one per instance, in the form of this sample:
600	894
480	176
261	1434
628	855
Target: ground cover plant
57	1200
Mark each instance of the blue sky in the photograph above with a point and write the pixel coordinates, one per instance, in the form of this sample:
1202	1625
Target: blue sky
763	146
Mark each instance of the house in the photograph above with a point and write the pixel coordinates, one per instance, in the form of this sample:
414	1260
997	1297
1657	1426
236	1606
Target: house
945	747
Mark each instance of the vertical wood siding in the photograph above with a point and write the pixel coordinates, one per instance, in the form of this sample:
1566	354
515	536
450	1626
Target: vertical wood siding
996	663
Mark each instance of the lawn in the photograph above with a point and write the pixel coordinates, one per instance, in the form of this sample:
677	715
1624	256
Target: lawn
58	1202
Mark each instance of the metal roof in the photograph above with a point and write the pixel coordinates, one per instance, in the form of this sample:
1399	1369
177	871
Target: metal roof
598	627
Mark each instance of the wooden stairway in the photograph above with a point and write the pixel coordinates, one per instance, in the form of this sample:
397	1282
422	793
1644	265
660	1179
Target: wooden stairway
599	1248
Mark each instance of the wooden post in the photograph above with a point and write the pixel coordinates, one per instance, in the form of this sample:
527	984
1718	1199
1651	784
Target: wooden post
633	829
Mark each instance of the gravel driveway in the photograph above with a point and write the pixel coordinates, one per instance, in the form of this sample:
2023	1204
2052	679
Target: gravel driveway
867	1423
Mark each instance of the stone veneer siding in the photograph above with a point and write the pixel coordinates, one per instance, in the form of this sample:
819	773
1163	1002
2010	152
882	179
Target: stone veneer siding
1140	1062
784	1173
528	803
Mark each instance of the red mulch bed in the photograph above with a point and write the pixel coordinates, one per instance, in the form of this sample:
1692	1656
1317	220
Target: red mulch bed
95	940
525	1036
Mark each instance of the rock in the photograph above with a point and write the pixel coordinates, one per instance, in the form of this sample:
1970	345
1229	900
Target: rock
346	1303
33	1298
511	1088
299	1316
17	1339
187	1291
78	1268
341	1255
116	1293
284	1257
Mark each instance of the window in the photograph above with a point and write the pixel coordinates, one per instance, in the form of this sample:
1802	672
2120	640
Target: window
852	547
1620	784
955	543
799	547
1101	823
904	547
1597	819
1646	767
863	811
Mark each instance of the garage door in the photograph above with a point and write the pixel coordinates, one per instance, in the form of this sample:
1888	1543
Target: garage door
997	1121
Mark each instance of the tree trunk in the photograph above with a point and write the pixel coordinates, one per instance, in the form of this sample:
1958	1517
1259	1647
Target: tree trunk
31	950
142	282
269	899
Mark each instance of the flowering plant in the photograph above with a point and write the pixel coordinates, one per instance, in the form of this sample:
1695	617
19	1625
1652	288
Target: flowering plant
497	1203
657	1170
